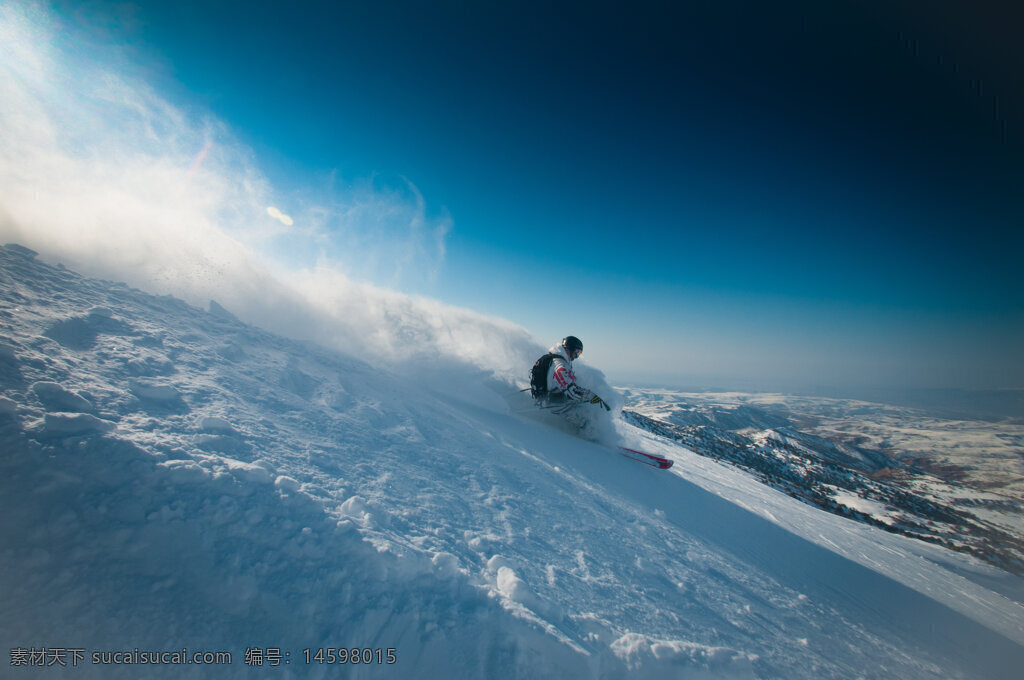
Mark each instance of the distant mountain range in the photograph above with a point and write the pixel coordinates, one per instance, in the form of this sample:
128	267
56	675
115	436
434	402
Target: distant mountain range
954	483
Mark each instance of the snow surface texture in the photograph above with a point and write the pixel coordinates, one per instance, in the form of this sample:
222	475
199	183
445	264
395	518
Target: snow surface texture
173	478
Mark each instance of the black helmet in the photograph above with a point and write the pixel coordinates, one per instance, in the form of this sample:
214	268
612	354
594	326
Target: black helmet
573	346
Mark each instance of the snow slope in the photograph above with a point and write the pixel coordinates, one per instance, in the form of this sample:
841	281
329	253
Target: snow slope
173	478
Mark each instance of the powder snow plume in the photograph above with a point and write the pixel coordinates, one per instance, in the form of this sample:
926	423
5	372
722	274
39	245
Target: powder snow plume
104	174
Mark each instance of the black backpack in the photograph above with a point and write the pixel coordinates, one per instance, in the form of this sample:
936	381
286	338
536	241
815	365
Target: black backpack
539	376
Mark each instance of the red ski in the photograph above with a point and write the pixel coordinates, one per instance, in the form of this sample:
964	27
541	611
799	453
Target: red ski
646	458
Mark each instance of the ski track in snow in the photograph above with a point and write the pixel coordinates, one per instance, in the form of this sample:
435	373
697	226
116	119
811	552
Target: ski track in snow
174	478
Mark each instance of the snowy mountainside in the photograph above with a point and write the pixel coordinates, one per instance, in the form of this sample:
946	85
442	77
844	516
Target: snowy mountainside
983	453
173	478
819	450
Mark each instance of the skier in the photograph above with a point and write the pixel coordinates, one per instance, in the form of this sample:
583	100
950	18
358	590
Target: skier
553	385
552	381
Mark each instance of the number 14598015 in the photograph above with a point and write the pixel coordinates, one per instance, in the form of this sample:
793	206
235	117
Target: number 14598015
350	655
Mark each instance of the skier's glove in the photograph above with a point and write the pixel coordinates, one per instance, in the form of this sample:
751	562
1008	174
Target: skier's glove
602	402
576	393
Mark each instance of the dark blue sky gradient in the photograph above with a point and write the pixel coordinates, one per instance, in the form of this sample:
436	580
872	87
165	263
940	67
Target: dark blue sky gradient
797	157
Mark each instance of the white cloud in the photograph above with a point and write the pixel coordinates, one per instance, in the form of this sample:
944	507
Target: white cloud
286	220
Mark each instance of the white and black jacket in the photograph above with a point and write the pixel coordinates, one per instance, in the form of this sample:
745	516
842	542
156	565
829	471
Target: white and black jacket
561	379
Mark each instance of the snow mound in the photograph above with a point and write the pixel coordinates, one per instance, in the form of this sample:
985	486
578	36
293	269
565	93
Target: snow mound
55	397
665	659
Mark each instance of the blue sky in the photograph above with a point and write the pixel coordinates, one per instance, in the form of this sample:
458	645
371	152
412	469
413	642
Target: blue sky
731	194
